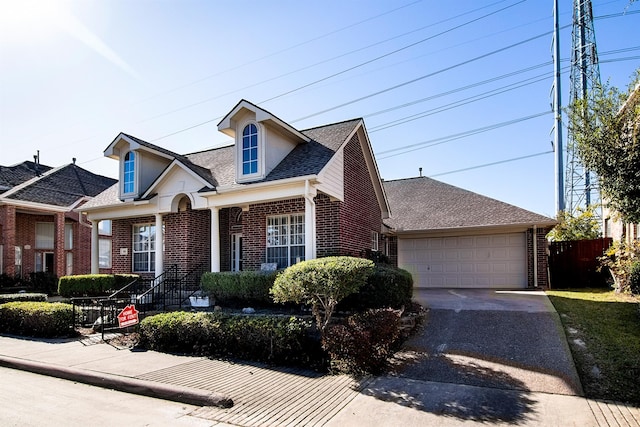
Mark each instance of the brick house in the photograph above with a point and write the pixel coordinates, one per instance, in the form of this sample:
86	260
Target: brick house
40	230
277	195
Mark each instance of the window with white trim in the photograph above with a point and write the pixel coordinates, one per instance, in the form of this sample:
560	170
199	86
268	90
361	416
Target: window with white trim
45	233
285	239
375	241
129	173
250	161
104	227
144	248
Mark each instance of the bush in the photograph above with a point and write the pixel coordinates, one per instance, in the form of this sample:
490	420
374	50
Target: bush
279	340
93	284
364	343
619	259
44	282
22	297
386	287
322	283
239	288
37	319
634	278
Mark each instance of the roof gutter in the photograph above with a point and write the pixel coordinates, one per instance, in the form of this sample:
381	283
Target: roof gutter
248	187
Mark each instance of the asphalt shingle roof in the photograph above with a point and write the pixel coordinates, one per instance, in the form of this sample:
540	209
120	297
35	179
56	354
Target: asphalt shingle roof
63	186
10	176
426	204
217	166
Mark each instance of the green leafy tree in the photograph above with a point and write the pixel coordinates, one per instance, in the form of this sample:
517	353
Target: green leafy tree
321	283
607	136
583	226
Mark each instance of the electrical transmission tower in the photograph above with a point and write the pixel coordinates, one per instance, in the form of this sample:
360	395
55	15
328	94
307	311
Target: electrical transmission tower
581	185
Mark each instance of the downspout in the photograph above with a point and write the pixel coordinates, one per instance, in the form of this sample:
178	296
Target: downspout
309	222
535	256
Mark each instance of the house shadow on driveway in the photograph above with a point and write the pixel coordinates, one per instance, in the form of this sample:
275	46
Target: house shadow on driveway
510	403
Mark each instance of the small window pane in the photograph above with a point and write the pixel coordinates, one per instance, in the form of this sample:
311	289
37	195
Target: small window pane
68	237
104	253
104	227
44	235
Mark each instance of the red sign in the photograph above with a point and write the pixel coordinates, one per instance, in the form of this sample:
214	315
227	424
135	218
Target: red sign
128	316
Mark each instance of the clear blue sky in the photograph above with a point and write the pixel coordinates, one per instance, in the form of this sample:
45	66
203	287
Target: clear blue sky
75	74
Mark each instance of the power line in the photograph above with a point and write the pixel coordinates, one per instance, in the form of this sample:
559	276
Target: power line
210	76
499	162
351	52
444	139
390	53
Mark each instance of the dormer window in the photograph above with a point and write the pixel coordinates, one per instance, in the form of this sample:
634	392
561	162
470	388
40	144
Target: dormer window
129	173
250	150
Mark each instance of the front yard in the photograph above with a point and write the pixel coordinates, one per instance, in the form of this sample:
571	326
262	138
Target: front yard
603	329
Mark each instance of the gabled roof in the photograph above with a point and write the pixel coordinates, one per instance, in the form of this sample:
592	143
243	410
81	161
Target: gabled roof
10	176
61	186
303	160
227	125
424	204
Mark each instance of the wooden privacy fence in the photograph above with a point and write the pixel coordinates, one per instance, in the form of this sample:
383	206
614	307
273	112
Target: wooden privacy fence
574	264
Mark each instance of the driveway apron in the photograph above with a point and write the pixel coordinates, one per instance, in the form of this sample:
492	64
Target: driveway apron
510	340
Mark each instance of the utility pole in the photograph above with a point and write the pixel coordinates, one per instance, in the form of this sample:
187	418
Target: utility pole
557	112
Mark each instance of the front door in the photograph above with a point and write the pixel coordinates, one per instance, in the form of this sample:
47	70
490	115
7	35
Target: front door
236	252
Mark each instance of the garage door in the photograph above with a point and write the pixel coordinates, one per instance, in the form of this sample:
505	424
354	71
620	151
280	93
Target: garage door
488	261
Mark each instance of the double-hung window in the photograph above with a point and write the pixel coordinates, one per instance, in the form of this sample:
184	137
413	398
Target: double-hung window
104	244
144	248
285	239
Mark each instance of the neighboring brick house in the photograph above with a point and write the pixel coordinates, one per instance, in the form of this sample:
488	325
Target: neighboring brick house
276	196
40	231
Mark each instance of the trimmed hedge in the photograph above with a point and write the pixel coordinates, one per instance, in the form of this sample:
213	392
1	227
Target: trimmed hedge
386	287
36	319
239	288
272	339
93	284
22	297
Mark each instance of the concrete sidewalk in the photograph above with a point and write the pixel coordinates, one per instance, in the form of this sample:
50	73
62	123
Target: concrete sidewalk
264	396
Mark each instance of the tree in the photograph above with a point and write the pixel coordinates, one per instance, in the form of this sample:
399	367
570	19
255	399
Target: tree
322	283
606	132
584	225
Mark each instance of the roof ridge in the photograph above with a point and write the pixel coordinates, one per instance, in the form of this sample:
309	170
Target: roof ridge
332	124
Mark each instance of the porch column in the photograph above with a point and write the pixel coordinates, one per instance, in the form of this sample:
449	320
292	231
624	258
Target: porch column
95	248
309	224
60	263
215	239
159	245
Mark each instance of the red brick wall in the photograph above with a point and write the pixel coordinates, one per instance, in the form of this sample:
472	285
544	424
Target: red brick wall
230	223
8	237
122	237
187	239
327	229
542	247
360	212
254	226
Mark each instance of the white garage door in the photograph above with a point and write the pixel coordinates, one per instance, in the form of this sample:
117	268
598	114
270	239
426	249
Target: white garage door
491	261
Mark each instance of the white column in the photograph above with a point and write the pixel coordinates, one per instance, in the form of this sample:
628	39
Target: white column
95	248
309	223
159	245
215	239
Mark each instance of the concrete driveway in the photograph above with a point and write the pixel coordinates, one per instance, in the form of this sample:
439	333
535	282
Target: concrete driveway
509	340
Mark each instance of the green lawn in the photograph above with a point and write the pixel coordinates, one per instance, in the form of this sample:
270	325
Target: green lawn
603	329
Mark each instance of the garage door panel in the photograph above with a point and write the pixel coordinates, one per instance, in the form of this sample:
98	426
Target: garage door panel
466	261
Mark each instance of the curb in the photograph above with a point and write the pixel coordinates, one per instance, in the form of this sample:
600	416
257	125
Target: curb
188	395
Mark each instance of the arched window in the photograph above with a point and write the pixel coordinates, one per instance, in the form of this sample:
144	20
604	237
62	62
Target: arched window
128	178
250	150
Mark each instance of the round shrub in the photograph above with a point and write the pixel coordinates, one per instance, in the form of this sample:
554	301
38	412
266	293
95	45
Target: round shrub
36	319
239	289
321	283
386	287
